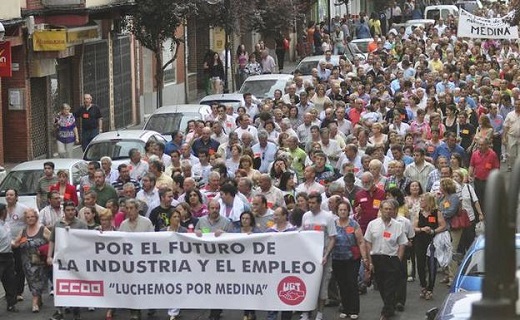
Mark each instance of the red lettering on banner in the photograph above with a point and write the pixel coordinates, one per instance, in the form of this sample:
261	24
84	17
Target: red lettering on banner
67	287
5	59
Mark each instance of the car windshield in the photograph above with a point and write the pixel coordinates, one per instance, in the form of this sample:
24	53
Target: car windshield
474	267
306	67
362	46
116	149
166	123
263	88
235	104
25	181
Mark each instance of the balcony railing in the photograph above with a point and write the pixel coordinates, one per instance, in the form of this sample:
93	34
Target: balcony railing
62	3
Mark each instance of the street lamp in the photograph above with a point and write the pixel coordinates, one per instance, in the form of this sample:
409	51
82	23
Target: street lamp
227	6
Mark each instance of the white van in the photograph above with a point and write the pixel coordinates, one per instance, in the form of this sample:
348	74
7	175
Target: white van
434	12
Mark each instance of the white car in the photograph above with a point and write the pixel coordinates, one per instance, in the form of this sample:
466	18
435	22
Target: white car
264	85
308	63
117	144
362	45
234	99
167	119
24	177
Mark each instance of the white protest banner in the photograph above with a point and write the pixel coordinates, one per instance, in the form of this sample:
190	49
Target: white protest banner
266	271
471	26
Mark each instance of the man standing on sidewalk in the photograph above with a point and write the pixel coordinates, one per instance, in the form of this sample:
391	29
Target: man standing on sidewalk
91	121
7	274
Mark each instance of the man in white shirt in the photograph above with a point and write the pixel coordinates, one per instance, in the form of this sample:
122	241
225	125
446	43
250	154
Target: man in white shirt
225	120
329	147
268	64
309	184
245	126
148	193
317	219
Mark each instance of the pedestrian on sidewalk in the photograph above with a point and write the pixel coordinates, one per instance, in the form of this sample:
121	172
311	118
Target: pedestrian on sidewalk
91	120
7	274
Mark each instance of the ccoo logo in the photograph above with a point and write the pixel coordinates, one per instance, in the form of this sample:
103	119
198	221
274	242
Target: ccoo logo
291	290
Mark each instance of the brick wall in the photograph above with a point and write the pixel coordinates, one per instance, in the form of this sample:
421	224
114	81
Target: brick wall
198	39
34	4
16	122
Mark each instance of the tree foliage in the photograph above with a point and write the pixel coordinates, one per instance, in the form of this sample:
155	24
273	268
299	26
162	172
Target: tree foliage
268	17
154	21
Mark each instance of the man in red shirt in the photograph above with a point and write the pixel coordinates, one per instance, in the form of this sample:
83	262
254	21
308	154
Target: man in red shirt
355	112
367	201
483	160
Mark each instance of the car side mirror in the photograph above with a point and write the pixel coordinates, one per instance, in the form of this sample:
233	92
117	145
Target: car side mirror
432	313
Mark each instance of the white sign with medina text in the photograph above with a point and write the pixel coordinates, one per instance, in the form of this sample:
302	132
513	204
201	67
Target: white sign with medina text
471	26
154	270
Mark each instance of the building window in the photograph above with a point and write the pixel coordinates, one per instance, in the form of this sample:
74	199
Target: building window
170	75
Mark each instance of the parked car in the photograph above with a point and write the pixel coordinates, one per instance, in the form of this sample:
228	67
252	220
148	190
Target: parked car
167	119
117	144
437	11
471	272
264	85
234	99
308	63
410	25
24	177
456	306
469	5
362	45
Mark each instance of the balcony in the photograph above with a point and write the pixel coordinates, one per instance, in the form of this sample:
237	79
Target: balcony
61	3
11	9
103	3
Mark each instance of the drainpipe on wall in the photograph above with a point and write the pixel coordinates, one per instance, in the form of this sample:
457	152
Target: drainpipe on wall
111	82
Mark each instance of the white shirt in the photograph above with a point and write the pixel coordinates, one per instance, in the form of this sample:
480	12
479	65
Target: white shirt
150	198
251	129
385	239
311	187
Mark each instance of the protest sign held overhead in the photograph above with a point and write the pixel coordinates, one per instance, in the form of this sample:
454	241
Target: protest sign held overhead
279	271
472	26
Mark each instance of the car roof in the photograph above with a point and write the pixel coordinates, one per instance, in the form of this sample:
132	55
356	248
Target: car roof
273	76
179	108
480	242
143	135
320	57
59	163
414	22
223	97
363	40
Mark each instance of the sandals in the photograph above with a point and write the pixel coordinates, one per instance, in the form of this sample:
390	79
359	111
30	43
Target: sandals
428	295
423	293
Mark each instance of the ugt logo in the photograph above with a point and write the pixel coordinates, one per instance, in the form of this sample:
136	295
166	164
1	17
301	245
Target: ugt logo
291	290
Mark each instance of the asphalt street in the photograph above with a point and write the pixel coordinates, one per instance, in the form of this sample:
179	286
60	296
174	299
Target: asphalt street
371	304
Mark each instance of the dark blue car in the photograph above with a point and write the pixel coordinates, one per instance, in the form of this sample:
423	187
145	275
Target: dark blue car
471	271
